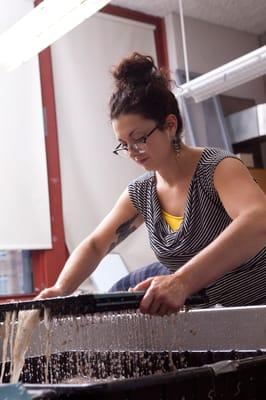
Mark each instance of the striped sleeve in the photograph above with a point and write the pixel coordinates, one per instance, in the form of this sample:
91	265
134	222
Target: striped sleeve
207	169
138	191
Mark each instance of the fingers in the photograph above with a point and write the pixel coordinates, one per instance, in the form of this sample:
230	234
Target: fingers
144	285
41	295
44	294
163	310
162	297
47	293
154	306
146	302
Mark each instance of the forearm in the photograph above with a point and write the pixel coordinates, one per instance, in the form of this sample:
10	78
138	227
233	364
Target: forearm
240	241
78	267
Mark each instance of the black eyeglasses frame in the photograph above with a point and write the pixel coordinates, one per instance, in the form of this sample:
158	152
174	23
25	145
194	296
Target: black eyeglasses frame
141	140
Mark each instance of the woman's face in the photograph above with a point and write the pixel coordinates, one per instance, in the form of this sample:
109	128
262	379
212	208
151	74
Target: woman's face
144	143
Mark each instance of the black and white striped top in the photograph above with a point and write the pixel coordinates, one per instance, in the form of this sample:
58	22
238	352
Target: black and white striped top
204	219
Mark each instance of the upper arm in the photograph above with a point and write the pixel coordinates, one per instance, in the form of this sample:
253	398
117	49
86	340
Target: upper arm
237	189
122	220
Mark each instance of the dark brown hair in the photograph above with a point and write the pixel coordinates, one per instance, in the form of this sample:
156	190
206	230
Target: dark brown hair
141	88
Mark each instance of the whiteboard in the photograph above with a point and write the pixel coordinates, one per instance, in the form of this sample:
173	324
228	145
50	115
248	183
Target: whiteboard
24	199
92	177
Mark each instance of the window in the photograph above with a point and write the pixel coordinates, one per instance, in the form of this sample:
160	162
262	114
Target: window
15	272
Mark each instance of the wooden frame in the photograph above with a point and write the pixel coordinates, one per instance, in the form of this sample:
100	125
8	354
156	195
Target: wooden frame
47	264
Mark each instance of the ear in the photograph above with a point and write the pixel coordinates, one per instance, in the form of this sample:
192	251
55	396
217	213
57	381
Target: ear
171	125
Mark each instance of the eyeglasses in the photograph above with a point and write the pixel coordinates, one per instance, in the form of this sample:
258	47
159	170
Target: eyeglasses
138	146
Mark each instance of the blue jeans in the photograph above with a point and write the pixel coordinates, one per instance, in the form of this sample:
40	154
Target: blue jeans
132	279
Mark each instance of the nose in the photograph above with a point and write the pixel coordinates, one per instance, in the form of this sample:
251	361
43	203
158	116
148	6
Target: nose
131	149
134	150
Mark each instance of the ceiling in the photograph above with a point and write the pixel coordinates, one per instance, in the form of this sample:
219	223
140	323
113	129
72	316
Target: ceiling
244	15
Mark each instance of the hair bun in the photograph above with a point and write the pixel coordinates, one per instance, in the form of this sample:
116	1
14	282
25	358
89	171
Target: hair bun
137	70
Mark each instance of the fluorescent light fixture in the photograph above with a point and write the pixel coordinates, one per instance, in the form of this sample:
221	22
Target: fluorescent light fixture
41	27
226	77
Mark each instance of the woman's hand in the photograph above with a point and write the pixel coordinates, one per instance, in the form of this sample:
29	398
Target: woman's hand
164	295
53	291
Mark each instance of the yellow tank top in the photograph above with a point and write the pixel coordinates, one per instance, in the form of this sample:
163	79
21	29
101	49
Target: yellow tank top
172	221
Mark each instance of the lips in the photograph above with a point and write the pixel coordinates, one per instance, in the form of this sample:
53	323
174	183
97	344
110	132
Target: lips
140	160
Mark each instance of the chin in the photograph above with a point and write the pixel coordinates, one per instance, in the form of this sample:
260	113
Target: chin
147	168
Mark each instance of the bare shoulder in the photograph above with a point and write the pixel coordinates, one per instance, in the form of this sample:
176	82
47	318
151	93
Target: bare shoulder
236	188
231	169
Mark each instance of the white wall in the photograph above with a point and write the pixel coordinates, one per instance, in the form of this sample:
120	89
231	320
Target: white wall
209	46
92	177
24	200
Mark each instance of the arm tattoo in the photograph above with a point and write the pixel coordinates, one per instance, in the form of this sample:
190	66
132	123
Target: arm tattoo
123	231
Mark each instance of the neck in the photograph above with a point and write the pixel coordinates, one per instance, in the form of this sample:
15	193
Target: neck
177	168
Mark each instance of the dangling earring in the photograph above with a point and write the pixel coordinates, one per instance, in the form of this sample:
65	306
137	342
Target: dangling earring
175	145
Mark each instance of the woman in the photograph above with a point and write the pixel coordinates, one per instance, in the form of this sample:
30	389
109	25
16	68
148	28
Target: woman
205	215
